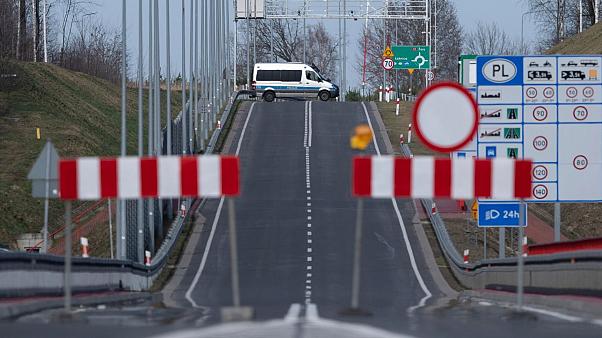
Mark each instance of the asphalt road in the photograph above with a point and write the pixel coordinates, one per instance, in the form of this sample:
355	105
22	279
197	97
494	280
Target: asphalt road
296	222
296	229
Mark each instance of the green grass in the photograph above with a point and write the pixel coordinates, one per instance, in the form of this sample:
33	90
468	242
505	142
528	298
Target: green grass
81	114
397	125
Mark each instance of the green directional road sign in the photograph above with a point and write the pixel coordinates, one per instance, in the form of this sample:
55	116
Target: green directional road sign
412	57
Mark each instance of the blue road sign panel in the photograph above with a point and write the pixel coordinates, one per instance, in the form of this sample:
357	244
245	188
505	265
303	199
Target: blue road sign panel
500	215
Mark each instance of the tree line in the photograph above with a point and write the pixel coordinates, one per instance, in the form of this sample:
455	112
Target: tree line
76	39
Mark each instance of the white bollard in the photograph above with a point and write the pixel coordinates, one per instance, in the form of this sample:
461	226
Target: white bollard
400	138
147	258
380	94
397	107
410	133
466	256
84	243
434	209
387	94
525	247
219	124
183	209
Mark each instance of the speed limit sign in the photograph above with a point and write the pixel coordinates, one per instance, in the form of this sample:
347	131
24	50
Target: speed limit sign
388	64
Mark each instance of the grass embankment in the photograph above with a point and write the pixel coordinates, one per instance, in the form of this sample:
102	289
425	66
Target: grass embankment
80	113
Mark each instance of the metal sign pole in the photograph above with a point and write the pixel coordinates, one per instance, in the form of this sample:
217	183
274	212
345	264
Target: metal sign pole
502	242
110	229
233	253
556	222
484	243
521	263
355	286
68	242
46	202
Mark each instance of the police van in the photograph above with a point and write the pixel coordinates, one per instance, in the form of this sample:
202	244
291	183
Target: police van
271	80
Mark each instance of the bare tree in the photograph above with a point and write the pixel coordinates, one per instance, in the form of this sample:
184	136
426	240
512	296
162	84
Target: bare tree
22	26
551	17
322	49
490	39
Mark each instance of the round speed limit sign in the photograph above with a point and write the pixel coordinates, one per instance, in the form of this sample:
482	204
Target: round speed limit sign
388	64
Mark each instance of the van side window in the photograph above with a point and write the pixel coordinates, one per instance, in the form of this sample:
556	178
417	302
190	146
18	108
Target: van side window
311	76
268	75
290	75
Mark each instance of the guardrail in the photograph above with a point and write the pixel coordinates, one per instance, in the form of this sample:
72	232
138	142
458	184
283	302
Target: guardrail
574	272
25	274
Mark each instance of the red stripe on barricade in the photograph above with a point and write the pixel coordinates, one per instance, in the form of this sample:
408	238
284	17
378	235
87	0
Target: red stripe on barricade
148	177
362	175
443	172
522	179
108	177
482	178
189	186
403	177
230	176
68	179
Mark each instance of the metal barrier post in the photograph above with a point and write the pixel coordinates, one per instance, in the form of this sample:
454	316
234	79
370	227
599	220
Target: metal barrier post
67	276
521	263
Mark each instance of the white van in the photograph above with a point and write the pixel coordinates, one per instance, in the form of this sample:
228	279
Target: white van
271	80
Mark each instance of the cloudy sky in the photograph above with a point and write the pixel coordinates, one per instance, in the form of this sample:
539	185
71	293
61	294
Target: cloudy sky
507	13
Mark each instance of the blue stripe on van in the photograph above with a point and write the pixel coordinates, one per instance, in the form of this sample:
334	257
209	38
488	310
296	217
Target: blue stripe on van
289	87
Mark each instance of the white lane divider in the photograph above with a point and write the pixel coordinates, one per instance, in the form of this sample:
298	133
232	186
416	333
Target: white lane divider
307	145
218	213
413	263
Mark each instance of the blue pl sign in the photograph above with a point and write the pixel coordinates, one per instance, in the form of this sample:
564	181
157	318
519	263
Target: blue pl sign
500	215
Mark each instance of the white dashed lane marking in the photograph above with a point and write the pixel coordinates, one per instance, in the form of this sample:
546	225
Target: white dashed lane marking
307	144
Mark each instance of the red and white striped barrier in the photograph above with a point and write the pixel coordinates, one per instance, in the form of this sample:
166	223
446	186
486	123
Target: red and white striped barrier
429	177
400	138
434	208
92	178
466	256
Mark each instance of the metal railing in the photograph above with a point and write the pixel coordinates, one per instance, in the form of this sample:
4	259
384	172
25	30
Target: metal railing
578	272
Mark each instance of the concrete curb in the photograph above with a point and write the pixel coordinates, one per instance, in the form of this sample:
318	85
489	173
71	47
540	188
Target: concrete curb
22	307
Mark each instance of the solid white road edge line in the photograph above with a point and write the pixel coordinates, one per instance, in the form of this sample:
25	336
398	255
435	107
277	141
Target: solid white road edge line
403	230
218	213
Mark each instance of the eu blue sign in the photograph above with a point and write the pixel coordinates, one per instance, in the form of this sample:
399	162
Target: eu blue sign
499	215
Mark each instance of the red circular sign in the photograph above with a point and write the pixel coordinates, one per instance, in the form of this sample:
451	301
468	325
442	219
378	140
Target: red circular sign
446	117
580	113
531	92
540	191
548	92
540	172
580	162
571	92
540	143
540	113
388	64
588	92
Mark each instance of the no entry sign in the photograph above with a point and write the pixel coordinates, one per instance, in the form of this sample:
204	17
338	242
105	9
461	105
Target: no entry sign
446	117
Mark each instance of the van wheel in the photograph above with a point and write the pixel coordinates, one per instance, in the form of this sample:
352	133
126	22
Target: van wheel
269	96
324	95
